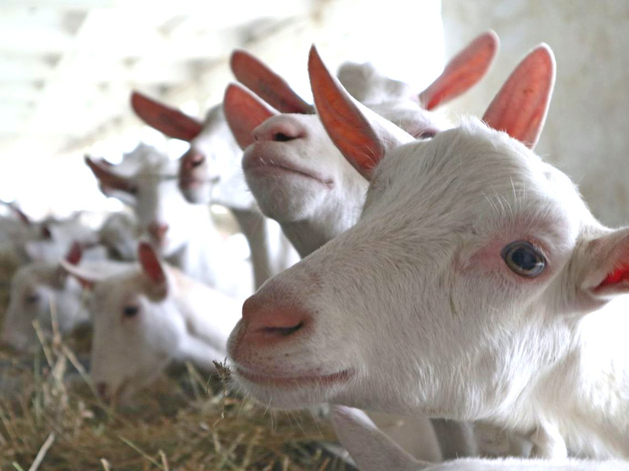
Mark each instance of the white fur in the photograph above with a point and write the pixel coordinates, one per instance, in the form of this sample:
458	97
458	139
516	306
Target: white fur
416	307
119	235
46	240
63	233
374	451
192	242
184	320
37	289
219	180
312	211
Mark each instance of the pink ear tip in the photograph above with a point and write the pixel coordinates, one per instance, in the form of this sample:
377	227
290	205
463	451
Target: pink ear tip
492	37
314	59
75	254
545	51
231	90
135	96
239	54
144	247
313	53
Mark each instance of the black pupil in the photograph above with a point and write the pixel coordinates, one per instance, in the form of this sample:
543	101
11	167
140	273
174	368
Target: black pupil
525	259
130	311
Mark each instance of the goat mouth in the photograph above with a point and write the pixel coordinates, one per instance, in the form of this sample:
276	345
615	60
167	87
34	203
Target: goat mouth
288	382
275	165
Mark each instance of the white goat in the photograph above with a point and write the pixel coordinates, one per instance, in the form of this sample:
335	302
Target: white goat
302	181
476	285
374	451
46	240
183	233
118	235
40	287
292	167
150	316
211	172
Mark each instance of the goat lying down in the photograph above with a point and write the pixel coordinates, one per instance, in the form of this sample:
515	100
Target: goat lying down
40	288
149	316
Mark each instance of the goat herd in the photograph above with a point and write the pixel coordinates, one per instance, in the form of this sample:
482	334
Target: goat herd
448	274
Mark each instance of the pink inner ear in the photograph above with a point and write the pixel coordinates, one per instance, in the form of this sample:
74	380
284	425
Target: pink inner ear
75	254
521	105
109	179
21	215
269	86
170	121
348	128
150	263
617	276
462	72
244	112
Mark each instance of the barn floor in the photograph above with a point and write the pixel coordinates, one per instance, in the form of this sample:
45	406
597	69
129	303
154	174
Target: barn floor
50	419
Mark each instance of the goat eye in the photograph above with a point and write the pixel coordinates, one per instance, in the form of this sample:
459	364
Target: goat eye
427	134
31	298
130	311
524	259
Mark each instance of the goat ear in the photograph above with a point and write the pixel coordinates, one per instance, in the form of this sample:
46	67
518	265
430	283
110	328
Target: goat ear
370	448
87	279
151	265
108	179
72	257
170	121
244	112
362	136
605	263
21	215
464	71
265	83
75	253
521	105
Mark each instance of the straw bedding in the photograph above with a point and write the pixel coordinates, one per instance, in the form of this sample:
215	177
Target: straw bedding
51	419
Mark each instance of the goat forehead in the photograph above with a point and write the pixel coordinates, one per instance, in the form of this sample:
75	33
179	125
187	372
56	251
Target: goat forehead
472	173
116	288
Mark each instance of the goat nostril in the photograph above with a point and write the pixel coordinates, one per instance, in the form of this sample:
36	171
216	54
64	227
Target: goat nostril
197	160
282	331
281	137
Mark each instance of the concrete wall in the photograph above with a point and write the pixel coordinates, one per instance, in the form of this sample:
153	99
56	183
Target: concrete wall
587	132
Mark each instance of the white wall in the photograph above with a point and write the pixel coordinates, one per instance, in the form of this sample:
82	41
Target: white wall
587	132
393	35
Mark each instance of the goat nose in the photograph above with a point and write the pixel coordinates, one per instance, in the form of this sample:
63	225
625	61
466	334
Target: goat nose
266	324
280	129
192	159
158	230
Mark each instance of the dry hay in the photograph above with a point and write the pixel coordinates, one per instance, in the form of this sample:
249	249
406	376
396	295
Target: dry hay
9	263
53	420
184	424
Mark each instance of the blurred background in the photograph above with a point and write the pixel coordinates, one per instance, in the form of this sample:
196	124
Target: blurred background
67	68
